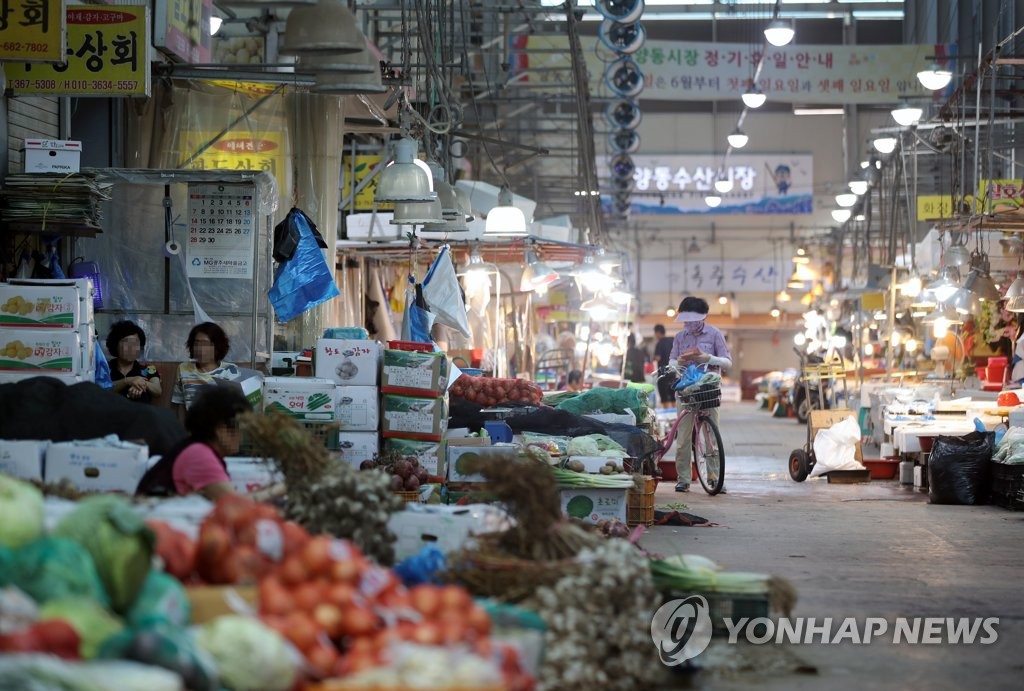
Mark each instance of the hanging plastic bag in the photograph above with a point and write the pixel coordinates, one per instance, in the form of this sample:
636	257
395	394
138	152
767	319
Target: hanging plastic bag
416	320
443	293
305	280
102	376
835	448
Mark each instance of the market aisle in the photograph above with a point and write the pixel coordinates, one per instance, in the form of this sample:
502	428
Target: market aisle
854	551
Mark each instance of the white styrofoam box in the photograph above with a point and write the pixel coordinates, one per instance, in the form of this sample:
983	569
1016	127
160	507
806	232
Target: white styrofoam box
97	465
429	454
37	352
348	362
357	408
356	447
52	156
250	474
23	458
556	229
448	528
303	398
593	505
374	227
483	197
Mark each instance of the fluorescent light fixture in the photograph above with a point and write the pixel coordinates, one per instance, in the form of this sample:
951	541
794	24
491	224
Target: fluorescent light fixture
723	186
713	200
841	215
859	187
845	199
215	24
906	115
801	110
779	32
864	164
935	77
738	139
860	217
885	145
753	97
504	219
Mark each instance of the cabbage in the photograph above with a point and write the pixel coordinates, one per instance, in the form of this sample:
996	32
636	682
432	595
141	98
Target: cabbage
249	656
582	446
92	622
53	568
21	512
119	541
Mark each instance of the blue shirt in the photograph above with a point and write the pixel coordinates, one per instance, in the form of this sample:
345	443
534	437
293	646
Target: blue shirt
707	340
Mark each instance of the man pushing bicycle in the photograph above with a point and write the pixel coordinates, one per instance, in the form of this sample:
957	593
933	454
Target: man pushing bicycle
700	343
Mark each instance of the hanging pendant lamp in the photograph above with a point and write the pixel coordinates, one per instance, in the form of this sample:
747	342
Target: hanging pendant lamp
403	180
326	27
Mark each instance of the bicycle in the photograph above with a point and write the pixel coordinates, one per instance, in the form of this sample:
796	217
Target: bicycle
706	441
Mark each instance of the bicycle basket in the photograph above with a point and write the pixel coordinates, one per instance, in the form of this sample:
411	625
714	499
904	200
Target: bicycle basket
707	396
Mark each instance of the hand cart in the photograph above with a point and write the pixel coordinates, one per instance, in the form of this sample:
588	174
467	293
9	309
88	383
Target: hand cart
825	375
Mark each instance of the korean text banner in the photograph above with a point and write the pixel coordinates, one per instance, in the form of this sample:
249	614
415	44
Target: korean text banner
712	275
32	30
691	71
762	184
107	54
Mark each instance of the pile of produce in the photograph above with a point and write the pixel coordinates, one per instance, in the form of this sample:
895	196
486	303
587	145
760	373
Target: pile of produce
489	391
323	495
691	573
406	474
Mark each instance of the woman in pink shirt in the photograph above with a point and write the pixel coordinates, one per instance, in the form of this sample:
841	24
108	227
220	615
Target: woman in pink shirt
197	464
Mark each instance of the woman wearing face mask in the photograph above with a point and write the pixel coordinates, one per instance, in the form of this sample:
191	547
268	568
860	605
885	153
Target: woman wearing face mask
132	379
703	344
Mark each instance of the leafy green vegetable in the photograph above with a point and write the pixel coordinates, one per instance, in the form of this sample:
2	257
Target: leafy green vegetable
21	512
119	541
168	646
54	568
162	599
249	656
91	621
568	479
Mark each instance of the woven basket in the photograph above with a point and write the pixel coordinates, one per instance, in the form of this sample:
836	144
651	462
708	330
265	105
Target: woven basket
640	505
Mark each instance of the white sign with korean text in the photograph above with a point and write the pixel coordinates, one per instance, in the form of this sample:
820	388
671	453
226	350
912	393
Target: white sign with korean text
221	231
712	275
762	184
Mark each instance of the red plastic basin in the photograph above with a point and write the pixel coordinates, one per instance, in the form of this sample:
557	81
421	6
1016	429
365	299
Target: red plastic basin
882	468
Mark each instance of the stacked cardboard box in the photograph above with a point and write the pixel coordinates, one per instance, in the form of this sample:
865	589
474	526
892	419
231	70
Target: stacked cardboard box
352	366
414	405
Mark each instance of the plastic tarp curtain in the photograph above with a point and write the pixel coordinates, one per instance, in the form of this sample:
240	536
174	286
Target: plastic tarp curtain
303	279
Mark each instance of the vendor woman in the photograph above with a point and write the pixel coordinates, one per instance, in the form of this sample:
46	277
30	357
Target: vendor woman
132	379
207	345
197	463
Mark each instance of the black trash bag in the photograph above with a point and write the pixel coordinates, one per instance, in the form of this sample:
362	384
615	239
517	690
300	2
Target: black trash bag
958	469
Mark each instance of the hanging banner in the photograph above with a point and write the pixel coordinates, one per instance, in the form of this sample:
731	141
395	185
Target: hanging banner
677	184
107	54
32	30
1000	196
182	28
692	71
353	173
932	207
236	150
713	275
221	231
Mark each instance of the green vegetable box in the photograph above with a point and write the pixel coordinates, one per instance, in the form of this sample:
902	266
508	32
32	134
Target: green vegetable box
593	505
414	373
303	398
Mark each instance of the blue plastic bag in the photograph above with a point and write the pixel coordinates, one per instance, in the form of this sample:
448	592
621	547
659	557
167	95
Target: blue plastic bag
102	376
416	321
691	375
423	567
305	280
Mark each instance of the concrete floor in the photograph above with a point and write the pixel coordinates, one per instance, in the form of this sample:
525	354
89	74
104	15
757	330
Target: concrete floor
870	550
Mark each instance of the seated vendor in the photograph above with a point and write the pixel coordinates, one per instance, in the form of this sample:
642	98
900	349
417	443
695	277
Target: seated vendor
197	463
207	345
132	379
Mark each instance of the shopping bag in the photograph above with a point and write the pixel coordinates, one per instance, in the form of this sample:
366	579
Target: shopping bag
443	293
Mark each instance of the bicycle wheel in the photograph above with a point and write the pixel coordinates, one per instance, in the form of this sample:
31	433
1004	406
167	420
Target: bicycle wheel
708	455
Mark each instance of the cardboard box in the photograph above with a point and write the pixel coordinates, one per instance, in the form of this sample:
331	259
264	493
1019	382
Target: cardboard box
465	493
449	528
68	379
41	351
23	458
356	447
303	398
250	474
593	505
348	362
357	408
41	306
97	465
414	418
52	156
459	456
413	373
86	293
429	454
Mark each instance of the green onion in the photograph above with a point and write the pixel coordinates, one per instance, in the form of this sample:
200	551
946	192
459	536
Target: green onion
572	480
674	574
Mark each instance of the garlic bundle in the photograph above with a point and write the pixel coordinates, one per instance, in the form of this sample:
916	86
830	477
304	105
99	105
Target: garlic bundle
599	622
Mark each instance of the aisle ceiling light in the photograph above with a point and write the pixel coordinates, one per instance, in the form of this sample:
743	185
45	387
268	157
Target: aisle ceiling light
859	187
693	247
775	312
846	199
912	286
794	282
885	145
416	213
606	262
450	209
799	339
935	77
841	215
621	297
723	299
536	273
980	283
590	277
906	115
962	301
505	220
670	312
456	225
599	307
753	97
942	313
945	285
326	27
738	139
956	255
911	345
783	296
723	186
403	180
801	256
1016	288
779	32
713	200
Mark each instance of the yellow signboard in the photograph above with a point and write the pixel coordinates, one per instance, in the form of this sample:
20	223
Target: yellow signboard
107	54
934	206
1001	195
237	150
355	174
31	30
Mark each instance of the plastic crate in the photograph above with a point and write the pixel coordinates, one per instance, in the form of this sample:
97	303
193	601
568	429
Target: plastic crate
640	505
325	432
1007	483
414	346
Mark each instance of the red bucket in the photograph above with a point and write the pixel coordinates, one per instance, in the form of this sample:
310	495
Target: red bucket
996	369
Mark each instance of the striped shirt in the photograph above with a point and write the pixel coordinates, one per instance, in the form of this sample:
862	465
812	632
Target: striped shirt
190	380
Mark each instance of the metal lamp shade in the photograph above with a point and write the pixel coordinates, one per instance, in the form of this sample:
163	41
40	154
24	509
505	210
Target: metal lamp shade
981	285
505	220
348	63
403	180
465	203
450	209
1015	304
1016	288
957	255
417	213
341	82
963	301
327	27
536	273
